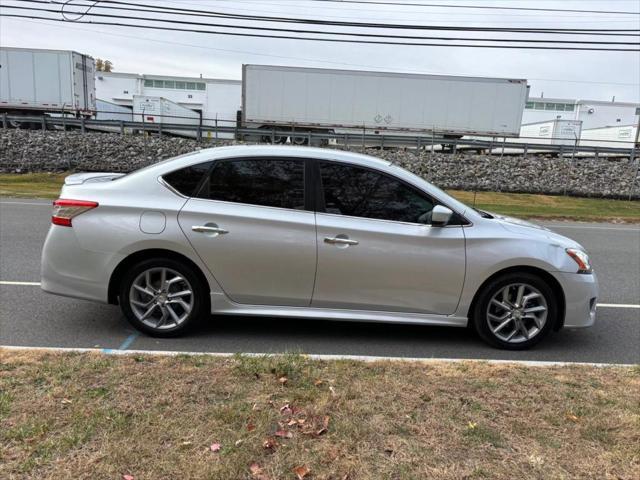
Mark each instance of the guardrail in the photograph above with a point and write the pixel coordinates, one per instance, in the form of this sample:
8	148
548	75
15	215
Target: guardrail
363	138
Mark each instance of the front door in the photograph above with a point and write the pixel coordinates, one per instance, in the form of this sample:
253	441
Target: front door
250	227
376	249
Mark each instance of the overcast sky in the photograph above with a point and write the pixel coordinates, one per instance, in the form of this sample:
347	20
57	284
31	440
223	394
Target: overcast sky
571	74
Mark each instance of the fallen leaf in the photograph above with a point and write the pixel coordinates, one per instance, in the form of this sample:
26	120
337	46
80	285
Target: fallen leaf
283	380
301	471
284	434
251	427
186	443
472	425
127	477
318	382
332	390
269	443
215	447
572	417
292	422
325	425
66	401
286	409
238	442
255	469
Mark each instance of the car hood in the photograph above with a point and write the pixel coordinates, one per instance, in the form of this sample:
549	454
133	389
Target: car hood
530	229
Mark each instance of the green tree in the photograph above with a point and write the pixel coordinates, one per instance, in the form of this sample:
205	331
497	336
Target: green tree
99	65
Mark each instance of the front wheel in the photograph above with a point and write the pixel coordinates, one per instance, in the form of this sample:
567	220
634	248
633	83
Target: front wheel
515	311
162	297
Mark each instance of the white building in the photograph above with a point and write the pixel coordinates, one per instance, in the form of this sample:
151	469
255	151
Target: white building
592	113
214	98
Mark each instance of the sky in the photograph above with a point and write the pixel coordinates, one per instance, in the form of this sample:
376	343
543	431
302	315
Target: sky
564	74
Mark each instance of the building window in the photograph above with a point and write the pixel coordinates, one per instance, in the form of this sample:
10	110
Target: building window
148	83
538	106
169	84
158	84
181	86
529	105
191	86
201	86
568	107
549	106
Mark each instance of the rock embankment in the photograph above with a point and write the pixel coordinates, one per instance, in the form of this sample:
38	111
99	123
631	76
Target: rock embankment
33	151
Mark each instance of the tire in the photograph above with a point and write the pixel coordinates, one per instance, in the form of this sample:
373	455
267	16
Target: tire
169	314
536	314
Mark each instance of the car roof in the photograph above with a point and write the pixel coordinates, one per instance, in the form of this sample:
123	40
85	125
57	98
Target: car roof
291	151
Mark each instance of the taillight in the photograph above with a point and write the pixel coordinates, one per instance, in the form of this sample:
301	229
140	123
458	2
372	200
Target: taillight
65	210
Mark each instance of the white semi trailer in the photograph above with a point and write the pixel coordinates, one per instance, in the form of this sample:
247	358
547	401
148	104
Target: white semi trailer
36	82
160	111
327	100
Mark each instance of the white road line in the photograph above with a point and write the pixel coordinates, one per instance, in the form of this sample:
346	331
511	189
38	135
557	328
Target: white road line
617	305
361	358
600	305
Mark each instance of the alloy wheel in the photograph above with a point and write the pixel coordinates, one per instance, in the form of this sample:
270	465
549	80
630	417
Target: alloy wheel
517	313
161	298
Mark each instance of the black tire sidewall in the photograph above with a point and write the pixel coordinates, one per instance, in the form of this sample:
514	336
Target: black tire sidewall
479	313
200	303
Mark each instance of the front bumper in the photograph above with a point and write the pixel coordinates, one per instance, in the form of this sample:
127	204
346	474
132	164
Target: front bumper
581	295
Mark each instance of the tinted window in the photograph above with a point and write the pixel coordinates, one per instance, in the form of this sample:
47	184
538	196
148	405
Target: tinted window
359	192
268	182
186	180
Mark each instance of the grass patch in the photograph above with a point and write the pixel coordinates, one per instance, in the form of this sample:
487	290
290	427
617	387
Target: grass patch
31	185
553	206
47	185
157	417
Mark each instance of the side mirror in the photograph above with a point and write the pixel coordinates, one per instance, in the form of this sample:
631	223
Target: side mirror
440	216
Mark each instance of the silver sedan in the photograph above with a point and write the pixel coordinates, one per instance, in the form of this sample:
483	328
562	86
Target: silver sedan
308	233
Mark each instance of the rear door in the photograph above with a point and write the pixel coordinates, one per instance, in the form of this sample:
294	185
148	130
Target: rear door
376	249
252	226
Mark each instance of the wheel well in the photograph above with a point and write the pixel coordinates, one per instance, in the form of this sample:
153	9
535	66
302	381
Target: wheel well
116	276
546	276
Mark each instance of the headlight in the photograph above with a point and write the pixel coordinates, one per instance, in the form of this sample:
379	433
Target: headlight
581	258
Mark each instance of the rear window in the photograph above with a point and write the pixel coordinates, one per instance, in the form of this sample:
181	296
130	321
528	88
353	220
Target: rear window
186	180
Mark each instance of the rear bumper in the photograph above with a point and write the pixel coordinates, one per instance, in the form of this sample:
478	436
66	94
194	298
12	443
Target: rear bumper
581	295
69	270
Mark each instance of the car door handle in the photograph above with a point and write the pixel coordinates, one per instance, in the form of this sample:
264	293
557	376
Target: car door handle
341	241
206	229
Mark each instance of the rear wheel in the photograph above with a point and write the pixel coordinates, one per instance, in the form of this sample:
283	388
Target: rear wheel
515	311
162	297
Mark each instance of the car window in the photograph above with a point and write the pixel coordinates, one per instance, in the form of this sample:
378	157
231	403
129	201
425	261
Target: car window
360	192
268	182
186	180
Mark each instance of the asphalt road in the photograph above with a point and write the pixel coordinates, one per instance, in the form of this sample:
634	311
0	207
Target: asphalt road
29	317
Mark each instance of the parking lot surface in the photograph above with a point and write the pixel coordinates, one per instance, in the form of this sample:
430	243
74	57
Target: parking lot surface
30	317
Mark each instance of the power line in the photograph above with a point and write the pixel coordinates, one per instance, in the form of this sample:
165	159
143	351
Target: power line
564	31
318	32
332	40
483	7
307	59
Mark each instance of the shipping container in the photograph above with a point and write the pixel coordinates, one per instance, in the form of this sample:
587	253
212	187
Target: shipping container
552	132
313	99
34	81
622	136
160	111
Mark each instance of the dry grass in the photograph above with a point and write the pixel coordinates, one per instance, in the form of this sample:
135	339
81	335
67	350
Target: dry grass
95	416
